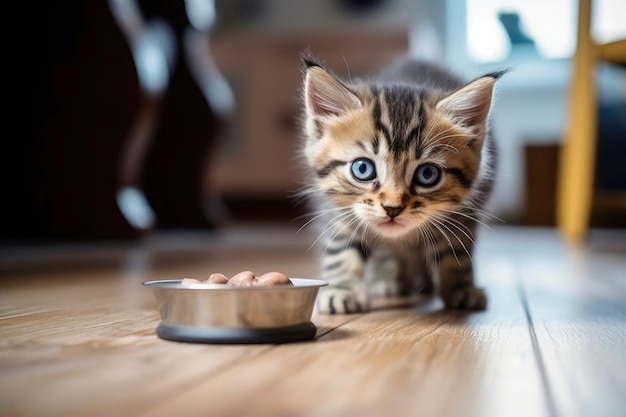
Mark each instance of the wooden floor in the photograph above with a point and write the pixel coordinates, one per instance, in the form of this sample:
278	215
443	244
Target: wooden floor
77	336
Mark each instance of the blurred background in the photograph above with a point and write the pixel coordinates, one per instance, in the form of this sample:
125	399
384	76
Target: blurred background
131	116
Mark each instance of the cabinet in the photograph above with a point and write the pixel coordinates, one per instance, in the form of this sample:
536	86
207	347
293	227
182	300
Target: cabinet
257	156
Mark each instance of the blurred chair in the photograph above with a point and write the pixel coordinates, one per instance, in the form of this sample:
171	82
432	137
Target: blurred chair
73	95
114	110
577	159
185	103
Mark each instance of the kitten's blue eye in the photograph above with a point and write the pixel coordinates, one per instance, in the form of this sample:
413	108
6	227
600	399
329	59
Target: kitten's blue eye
363	169
427	175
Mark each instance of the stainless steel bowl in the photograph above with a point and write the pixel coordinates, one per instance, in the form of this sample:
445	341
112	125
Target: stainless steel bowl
225	314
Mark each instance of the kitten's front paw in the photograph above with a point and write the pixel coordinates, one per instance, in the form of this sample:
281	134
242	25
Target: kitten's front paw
339	301
469	298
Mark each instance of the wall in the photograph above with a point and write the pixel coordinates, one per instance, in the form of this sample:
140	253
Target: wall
531	103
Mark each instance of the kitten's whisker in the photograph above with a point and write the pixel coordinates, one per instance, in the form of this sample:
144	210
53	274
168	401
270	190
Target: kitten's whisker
353	235
427	236
436	141
328	227
431	243
434	253
442	224
424	285
431	140
444	146
353	217
436	144
320	213
305	192
334	221
467	216
307	223
364	239
443	233
441	136
488	215
348	225
347	68
420	144
412	239
482	211
450	222
457	224
463	228
345	226
431	125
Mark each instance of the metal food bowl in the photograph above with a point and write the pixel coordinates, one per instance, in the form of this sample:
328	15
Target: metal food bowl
219	313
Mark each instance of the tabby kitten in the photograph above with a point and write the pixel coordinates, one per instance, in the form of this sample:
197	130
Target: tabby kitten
401	168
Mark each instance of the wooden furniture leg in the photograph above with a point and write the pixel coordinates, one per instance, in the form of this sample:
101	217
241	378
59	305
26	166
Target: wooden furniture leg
577	161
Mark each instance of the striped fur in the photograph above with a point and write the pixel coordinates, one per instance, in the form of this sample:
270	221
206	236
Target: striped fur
391	234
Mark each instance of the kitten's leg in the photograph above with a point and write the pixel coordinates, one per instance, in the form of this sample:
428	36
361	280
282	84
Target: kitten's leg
401	271
343	268
456	276
383	273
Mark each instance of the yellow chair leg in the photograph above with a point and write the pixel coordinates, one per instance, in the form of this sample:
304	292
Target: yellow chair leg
577	161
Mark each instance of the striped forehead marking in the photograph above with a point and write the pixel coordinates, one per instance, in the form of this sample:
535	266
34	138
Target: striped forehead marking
404	117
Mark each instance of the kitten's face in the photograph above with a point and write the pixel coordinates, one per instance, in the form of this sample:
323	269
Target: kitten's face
397	156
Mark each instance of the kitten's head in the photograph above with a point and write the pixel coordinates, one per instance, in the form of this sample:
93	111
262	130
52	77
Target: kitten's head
399	155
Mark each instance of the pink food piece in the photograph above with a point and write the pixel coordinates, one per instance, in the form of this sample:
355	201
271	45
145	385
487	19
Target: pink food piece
273	278
217	279
243	279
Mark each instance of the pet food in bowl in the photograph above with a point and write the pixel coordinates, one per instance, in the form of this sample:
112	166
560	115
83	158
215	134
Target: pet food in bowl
243	279
273	310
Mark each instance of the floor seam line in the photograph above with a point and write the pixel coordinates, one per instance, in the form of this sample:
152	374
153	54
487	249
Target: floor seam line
545	382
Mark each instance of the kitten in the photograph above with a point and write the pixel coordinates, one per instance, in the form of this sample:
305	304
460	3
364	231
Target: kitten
401	167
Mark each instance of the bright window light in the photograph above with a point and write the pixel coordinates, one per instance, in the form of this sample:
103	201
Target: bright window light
546	29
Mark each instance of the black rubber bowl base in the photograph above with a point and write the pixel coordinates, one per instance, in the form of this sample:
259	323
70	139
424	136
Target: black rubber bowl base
225	336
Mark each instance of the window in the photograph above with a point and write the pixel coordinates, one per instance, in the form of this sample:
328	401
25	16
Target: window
500	29
535	37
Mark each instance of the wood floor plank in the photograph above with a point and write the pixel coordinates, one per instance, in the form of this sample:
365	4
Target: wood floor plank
579	319
121	380
84	339
115	369
401	362
81	342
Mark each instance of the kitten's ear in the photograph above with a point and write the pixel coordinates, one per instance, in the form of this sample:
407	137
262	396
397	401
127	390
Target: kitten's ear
470	106
326	96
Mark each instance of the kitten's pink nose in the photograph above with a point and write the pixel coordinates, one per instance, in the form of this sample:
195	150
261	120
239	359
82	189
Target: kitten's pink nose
393	211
